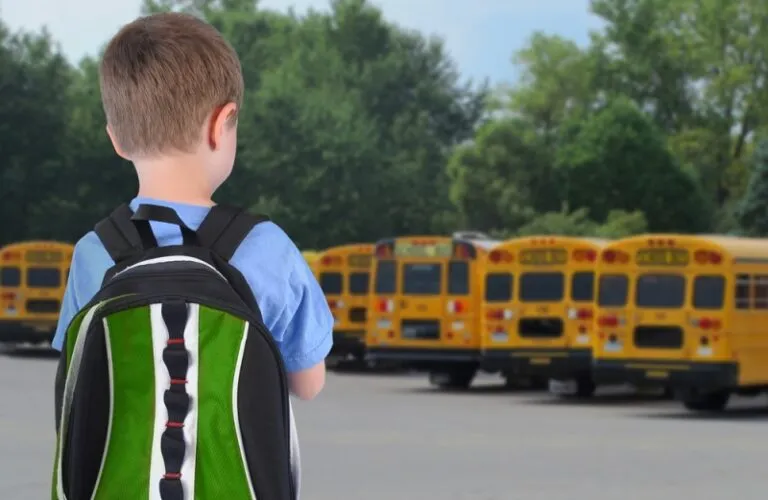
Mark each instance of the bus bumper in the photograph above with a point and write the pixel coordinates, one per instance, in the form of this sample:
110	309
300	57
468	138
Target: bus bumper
551	363
348	343
704	377
422	359
18	332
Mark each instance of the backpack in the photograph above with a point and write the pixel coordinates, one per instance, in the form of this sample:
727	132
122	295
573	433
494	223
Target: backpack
170	386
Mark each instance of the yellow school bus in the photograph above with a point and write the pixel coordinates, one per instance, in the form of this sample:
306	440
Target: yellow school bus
33	275
344	276
425	298
537	309
312	259
686	312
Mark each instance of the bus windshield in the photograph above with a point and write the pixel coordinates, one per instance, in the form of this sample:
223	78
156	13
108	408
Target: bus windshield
660	291
422	278
542	287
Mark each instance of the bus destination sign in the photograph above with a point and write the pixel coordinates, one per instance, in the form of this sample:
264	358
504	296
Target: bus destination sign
543	257
662	257
415	248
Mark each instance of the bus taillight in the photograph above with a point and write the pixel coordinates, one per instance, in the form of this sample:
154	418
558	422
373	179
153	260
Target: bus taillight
582	255
707	323
8	256
386	305
8	296
496	314
497	256
456	307
584	314
611	256
707	257
608	321
335	304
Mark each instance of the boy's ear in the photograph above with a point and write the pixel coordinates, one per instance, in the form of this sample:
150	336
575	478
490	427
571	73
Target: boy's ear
222	119
116	145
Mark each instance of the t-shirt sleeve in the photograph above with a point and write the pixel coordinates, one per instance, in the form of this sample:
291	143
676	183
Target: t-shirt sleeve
292	304
89	263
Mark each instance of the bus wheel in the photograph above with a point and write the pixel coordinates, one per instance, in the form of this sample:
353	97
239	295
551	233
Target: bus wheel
459	377
585	387
709	402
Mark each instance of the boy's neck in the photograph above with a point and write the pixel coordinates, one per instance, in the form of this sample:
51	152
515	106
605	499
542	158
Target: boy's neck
179	180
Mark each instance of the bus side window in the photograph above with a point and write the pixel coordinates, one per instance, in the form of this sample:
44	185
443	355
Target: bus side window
743	291
761	292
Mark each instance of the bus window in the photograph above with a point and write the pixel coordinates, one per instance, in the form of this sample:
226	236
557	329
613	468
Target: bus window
458	277
583	286
660	291
498	287
331	283
761	292
43	277
358	283
386	277
422	279
10	276
742	291
708	292
541	287
613	290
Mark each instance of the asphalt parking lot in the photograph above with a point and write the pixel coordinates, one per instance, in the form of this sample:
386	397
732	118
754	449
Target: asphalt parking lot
384	437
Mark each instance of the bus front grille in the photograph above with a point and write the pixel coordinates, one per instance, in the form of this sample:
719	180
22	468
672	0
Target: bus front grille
42	306
420	329
540	328
658	337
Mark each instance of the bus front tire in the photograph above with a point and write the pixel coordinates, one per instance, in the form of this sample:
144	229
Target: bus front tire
453	378
707	402
585	387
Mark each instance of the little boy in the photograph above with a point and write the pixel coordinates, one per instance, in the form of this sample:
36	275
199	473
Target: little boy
172	88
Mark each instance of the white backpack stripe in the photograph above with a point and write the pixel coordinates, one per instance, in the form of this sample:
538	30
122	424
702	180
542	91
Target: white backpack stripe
163	383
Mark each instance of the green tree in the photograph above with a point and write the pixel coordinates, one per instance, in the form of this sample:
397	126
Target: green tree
555	83
618	160
752	212
618	224
503	177
34	111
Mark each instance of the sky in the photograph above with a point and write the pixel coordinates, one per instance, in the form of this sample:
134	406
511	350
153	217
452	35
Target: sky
481	35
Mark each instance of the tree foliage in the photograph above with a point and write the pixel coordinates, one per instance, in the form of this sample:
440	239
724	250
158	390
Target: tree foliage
355	128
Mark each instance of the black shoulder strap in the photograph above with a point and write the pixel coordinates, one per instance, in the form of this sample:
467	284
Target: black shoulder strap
118	234
225	227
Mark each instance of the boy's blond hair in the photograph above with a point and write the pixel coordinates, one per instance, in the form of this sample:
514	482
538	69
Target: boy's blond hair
160	77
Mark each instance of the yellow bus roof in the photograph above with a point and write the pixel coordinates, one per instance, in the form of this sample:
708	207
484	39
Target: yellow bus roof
352	248
20	245
734	246
553	240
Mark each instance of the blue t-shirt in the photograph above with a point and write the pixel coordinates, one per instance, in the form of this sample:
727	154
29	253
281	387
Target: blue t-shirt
292	304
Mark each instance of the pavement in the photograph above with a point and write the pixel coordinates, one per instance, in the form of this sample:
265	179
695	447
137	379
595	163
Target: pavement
384	437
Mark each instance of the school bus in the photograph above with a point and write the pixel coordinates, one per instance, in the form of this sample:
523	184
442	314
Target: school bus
538	296
312	257
33	275
344	276
686	312
425	297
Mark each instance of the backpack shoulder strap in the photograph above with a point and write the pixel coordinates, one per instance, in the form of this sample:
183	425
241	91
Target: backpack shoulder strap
118	234
225	227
